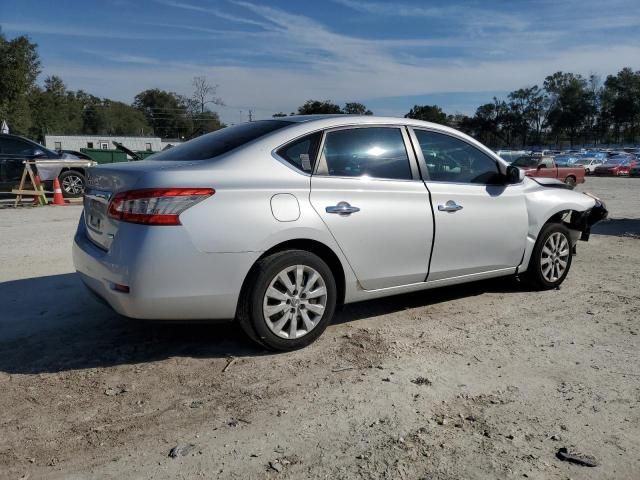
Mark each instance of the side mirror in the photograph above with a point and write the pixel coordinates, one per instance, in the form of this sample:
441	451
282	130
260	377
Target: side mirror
37	153
514	175
541	166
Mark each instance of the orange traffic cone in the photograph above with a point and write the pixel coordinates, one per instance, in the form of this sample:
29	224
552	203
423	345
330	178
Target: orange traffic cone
57	193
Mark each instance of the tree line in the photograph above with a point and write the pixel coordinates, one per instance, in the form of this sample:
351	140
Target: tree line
34	111
566	108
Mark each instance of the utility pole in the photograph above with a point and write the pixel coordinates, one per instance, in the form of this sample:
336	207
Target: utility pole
251	115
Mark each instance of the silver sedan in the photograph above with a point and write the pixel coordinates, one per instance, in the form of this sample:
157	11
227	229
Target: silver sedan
276	222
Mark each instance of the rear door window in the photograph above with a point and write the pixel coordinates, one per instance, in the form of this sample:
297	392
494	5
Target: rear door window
376	152
221	141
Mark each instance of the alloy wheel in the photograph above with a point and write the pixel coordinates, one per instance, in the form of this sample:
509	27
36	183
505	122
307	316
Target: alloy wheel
294	301
72	184
554	257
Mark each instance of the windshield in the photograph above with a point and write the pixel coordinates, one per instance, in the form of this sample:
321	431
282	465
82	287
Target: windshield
583	161
221	141
527	162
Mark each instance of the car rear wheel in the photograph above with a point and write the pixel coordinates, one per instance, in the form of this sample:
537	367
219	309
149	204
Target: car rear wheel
289	300
72	183
571	181
551	257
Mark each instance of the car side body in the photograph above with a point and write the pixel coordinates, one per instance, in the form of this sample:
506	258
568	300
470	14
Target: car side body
379	236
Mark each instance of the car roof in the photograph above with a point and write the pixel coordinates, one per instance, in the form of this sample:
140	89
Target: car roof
328	121
303	124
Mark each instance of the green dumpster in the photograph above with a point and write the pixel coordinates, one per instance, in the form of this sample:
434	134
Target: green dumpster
105	156
144	153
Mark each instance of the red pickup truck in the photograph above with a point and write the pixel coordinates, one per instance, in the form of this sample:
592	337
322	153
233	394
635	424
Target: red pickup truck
543	166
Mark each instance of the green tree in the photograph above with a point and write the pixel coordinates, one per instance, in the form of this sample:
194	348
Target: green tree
167	113
621	103
570	105
355	108
54	109
428	113
312	107
19	68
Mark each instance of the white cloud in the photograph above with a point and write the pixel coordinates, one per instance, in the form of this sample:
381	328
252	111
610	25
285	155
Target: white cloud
294	58
212	11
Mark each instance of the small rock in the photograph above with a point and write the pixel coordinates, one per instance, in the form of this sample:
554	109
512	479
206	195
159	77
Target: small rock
386	379
276	465
579	459
181	450
348	335
422	381
555	438
113	391
282	412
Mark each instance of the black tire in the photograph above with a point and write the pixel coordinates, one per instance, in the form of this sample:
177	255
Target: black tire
571	181
72	183
534	274
250	314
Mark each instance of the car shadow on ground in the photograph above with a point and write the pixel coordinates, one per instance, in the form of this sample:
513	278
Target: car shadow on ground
618	227
52	324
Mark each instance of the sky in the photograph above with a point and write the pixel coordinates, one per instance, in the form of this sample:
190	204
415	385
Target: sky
271	56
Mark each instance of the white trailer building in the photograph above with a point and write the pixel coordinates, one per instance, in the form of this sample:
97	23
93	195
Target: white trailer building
105	142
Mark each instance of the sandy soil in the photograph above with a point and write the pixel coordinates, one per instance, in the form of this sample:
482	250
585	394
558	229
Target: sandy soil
481	381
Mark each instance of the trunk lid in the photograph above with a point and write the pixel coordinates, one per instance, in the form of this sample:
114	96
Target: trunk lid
105	181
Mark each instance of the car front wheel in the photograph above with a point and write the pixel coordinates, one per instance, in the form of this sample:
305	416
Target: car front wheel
551	257
289	300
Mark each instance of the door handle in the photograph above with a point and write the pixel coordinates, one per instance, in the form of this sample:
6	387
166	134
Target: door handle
450	206
342	208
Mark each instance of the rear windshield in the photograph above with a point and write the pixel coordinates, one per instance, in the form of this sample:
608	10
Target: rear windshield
221	141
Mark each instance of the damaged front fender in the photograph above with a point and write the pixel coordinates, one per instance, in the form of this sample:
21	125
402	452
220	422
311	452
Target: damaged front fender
583	221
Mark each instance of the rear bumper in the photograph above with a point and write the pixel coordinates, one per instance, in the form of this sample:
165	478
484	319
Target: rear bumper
168	278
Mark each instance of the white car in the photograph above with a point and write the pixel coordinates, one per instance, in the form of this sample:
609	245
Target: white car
276	222
589	164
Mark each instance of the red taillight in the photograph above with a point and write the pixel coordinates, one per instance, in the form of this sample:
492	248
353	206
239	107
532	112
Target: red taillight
156	206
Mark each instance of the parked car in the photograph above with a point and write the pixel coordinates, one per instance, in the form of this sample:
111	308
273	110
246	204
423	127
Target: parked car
616	166
276	222
545	166
635	171
14	150
589	164
75	153
565	160
510	155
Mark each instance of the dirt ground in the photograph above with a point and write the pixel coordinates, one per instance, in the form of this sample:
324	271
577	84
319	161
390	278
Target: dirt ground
481	381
